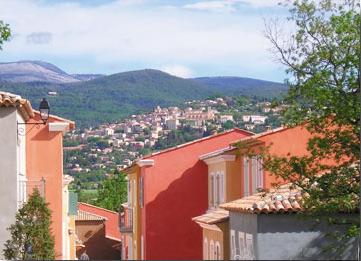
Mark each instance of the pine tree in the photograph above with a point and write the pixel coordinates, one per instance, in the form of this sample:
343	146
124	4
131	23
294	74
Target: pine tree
31	237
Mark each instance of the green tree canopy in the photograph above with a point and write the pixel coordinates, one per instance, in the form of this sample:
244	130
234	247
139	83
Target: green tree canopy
5	33
322	60
31	237
113	192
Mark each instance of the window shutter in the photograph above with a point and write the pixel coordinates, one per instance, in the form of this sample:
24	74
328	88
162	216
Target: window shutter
141	192
73	203
217	190
241	244
246	176
211	194
260	173
222	188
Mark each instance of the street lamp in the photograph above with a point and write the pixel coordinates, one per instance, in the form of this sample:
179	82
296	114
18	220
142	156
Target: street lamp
44	109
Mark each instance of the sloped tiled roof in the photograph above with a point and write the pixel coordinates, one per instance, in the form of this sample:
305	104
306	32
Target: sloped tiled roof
12	100
111	219
212	217
83	215
277	200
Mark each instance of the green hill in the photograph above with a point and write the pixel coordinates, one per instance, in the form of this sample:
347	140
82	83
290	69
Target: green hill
234	86
114	97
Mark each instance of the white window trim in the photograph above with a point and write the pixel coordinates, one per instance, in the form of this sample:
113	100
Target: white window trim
218	255
241	244
249	246
205	249
211	250
217	190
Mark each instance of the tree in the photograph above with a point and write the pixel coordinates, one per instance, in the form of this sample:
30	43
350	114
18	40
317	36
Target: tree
31	237
113	192
322	60
5	33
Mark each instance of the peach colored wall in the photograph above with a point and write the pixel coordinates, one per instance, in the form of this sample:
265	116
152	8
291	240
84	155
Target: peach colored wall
291	141
176	190
220	236
44	151
234	179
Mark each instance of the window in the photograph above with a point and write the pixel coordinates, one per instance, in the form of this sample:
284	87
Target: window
205	249
249	246
129	193
211	191
218	251
134	195
141	192
211	250
216	190
246	176
260	173
241	244
222	188
233	244
254	169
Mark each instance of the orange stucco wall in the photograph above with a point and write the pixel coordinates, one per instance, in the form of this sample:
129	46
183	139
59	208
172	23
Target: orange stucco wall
44	159
287	142
175	191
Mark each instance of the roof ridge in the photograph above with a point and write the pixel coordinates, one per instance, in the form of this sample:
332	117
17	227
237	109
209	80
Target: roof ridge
197	141
89	205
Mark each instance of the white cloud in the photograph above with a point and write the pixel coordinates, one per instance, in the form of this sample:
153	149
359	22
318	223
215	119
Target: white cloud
178	70
118	33
214	6
262	3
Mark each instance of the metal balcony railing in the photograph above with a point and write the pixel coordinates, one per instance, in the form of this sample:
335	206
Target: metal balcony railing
26	188
126	221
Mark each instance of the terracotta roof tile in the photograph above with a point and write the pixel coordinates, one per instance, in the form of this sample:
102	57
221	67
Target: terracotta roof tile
277	200
12	100
212	217
83	215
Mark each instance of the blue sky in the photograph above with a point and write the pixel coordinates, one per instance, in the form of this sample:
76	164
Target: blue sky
185	38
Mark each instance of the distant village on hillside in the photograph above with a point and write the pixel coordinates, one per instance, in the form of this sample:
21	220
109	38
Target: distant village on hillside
116	145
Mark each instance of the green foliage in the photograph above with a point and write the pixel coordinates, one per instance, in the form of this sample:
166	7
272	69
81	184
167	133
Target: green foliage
177	137
113	192
31	230
228	125
323	63
114	97
88	196
5	33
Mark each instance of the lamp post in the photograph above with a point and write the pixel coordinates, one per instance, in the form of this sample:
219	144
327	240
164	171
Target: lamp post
44	109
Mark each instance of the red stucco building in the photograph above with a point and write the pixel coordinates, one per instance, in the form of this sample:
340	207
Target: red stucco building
165	190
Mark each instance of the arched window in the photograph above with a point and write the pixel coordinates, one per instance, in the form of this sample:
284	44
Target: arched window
211	250
205	250
218	251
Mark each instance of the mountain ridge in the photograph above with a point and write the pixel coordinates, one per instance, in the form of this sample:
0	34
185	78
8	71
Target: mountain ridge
113	97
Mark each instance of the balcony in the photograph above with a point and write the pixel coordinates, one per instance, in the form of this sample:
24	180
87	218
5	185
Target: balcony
26	188
126	221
